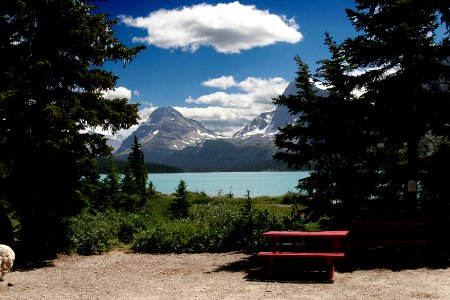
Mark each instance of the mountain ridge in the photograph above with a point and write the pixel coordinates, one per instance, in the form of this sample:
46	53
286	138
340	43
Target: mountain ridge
166	127
167	137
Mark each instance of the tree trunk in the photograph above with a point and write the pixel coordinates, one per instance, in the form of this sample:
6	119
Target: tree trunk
412	167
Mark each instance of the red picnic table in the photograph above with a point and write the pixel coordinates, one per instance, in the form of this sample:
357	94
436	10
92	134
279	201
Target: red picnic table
331	255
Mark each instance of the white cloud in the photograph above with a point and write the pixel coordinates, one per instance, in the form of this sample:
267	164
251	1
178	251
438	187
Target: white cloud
256	94
136	93
118	92
145	113
262	88
227	27
221	120
228	112
222	112
223	82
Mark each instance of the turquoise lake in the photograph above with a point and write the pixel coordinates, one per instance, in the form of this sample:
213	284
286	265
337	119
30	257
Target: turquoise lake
258	183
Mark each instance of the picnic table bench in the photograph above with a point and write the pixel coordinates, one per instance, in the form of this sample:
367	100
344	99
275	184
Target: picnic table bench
289	244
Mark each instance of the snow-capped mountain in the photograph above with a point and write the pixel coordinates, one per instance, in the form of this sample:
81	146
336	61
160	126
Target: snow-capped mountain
115	140
168	137
261	125
167	128
267	123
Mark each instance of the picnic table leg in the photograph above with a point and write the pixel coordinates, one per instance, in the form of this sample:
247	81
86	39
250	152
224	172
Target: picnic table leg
274	248
270	266
331	262
336	244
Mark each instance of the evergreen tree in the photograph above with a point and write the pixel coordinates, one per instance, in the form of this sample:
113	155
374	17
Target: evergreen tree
247	223
90	187
137	167
406	81
111	185
326	136
128	199
180	205
128	183
112	179
364	138
51	91
151	190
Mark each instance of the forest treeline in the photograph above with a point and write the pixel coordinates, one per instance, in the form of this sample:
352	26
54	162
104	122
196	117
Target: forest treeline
103	165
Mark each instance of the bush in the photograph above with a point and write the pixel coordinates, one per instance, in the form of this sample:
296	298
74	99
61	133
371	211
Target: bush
176	236
91	233
217	226
292	198
211	228
131	224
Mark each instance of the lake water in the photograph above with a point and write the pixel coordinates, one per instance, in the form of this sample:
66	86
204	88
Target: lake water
258	183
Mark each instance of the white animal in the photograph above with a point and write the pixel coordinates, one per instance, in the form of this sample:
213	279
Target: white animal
7	257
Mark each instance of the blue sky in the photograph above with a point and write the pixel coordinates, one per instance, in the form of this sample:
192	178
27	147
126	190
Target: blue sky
219	62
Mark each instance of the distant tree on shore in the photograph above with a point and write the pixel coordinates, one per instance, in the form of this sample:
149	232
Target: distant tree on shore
137	167
103	166
180	206
112	179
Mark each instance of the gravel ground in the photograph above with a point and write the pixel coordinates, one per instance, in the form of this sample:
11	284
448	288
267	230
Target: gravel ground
124	275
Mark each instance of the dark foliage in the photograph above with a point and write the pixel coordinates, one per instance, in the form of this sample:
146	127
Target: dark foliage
136	165
377	133
103	166
51	84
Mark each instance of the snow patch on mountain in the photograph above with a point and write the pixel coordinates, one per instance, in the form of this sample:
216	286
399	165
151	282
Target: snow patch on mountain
167	128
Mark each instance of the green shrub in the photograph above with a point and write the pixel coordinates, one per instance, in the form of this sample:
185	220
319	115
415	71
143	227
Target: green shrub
210	228
91	233
217	226
131	224
203	233
164	238
126	202
292	198
199	198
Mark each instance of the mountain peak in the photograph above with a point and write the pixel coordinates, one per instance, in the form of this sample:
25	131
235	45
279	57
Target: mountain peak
268	123
164	114
167	128
261	125
168	137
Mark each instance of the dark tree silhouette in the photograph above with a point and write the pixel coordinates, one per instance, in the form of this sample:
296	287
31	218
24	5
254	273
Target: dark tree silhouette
382	125
51	93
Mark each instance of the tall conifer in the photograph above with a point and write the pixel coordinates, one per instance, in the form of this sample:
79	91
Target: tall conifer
52	81
137	166
383	123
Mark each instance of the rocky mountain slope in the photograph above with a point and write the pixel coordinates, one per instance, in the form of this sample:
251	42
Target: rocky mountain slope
168	137
166	128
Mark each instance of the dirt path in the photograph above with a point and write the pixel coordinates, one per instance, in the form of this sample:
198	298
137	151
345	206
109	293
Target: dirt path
121	275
